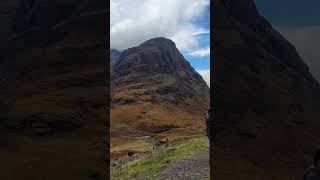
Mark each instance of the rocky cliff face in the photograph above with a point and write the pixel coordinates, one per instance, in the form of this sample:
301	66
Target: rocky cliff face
266	102
155	90
159	67
53	98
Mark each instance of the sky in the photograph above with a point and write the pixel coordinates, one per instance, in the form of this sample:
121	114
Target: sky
187	23
299	22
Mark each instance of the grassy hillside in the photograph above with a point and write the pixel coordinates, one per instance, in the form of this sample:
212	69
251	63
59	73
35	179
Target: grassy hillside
151	164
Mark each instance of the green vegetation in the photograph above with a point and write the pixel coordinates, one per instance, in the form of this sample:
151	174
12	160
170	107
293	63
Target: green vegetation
153	163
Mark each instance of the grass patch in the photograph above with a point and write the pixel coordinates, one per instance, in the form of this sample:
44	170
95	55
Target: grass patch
152	164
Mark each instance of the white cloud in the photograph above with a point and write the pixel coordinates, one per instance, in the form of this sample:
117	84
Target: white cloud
201	52
201	32
307	41
205	75
135	21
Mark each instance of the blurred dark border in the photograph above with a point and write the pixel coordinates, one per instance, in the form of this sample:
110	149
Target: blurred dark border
54	78
264	98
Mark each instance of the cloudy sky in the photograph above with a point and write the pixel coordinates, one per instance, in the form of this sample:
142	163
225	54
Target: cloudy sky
187	23
299	22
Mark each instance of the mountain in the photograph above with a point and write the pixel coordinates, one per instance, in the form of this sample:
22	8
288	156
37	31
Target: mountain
266	102
53	91
157	93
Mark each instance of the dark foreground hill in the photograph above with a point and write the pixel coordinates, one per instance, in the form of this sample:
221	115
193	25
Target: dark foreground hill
155	92
53	91
266	102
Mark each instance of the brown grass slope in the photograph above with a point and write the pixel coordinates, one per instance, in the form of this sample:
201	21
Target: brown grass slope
267	104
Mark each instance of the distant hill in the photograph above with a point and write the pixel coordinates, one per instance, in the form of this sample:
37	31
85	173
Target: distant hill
156	92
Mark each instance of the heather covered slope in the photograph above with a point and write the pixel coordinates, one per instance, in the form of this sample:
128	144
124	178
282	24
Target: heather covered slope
267	104
53	91
156	93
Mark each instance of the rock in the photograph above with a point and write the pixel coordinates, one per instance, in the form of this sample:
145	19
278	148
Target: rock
131	153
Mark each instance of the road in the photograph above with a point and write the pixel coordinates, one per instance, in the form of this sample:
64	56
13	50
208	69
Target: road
194	167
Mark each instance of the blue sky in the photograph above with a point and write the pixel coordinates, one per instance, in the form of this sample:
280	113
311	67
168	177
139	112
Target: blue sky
187	23
299	22
202	62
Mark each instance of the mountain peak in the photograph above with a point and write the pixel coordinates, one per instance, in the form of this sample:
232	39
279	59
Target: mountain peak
159	61
154	55
163	87
159	41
